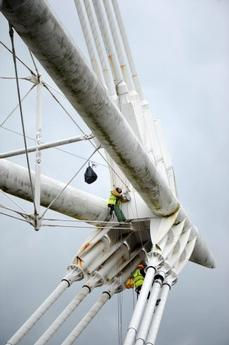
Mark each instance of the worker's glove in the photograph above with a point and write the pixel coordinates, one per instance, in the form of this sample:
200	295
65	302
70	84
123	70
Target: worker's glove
126	196
129	284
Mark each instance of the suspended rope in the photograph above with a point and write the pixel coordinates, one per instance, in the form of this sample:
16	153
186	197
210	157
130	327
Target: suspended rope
120	328
133	299
11	33
61	192
138	225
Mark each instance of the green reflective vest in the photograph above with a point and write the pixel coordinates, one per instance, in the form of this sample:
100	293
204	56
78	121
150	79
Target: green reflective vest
112	200
138	278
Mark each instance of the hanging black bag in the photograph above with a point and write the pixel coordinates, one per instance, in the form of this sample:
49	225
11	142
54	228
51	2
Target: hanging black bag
90	176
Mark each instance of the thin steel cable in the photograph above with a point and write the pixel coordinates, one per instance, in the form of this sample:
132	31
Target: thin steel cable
61	192
133	299
34	63
17	218
14	202
10	51
64	109
11	33
17	105
53	88
119	298
11	209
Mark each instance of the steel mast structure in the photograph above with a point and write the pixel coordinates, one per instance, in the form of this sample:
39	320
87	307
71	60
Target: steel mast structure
110	100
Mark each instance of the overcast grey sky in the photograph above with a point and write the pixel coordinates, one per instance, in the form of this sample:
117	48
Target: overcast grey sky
181	50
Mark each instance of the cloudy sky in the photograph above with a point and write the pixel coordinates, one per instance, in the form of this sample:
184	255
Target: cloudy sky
181	50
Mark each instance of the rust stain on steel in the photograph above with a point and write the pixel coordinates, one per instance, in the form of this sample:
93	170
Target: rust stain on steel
78	262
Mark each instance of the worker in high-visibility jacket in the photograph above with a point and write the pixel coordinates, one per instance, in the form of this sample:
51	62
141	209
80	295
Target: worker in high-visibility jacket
115	199
138	276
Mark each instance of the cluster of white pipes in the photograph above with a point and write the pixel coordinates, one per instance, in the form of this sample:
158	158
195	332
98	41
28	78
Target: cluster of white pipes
113	106
107	259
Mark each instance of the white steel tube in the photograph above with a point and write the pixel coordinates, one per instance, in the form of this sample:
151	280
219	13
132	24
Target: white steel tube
112	262
106	295
127	49
89	39
148	314
140	306
92	254
100	48
24	329
87	318
154	327
63	316
107	38
179	248
47	145
72	202
88	97
118	45
37	189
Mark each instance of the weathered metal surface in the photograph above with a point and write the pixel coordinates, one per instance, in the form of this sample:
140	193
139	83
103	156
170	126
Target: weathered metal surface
38	27
73	202
46	146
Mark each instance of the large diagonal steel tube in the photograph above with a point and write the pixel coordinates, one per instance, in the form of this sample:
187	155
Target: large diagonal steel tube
72	202
43	34
45	37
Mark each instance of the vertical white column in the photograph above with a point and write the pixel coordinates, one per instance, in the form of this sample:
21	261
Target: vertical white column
146	320
127	49
140	306
118	45
107	38
107	74
89	39
37	191
154	328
